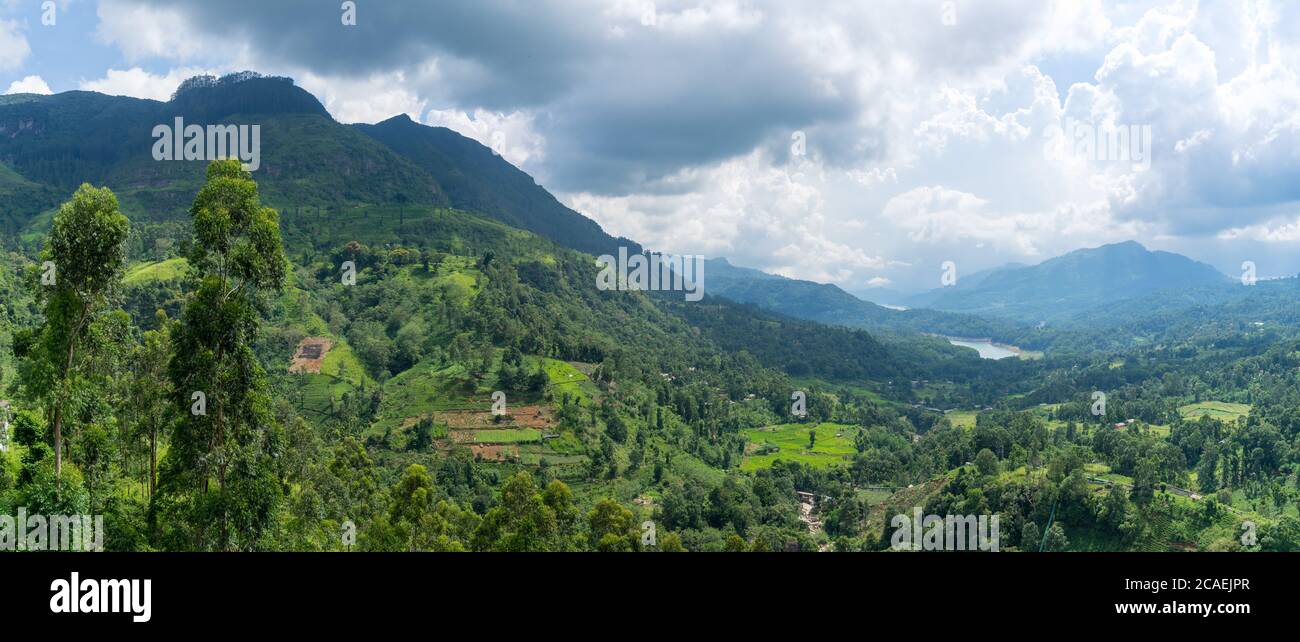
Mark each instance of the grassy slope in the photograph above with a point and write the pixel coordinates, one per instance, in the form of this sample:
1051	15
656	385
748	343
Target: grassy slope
834	445
154	271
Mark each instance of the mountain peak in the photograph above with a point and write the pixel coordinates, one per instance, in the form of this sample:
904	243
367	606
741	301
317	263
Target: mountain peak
1078	280
209	98
1124	245
400	119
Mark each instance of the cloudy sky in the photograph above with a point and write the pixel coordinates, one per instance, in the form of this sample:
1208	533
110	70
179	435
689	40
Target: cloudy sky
862	143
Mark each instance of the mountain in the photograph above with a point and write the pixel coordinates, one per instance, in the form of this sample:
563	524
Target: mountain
310	163
1072	283
307	159
477	179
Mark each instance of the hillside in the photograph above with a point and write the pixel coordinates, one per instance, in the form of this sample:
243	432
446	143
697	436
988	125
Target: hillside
476	179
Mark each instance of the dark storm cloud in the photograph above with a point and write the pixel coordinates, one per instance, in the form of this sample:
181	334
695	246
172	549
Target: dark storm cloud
495	53
616	109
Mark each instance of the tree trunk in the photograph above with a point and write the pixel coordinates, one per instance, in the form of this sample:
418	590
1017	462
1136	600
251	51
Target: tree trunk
153	459
58	410
58	441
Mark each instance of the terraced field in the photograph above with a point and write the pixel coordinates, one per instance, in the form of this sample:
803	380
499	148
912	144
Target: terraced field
565	378
1220	410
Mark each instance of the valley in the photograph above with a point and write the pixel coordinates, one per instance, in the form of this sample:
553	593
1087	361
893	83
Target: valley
473	388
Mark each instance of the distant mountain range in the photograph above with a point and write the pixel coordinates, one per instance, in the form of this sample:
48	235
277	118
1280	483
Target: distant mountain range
1076	294
831	305
1075	282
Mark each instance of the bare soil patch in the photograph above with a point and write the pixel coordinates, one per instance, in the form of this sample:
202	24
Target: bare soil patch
310	355
488	452
518	417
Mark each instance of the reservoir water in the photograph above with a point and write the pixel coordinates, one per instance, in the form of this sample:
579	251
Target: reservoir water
987	349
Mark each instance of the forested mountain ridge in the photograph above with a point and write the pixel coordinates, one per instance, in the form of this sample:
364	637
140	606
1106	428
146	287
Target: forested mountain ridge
61	140
640	393
476	179
65	139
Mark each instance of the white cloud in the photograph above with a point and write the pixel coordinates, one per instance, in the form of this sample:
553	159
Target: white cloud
746	209
138	83
364	100
29	85
147	31
13	46
1274	231
511	136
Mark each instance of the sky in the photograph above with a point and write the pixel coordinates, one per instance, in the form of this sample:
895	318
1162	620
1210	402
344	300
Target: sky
858	143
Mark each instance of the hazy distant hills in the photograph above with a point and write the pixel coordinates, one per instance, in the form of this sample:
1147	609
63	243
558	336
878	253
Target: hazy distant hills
1111	298
1071	283
825	303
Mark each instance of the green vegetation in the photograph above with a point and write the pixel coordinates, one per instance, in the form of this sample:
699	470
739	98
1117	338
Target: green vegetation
962	418
509	436
1223	411
154	271
473	390
833	445
565	380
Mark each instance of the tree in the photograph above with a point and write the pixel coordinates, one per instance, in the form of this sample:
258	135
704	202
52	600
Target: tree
1030	537
671	543
522	522
1056	540
986	462
1205	470
616	428
150	389
423	438
1144	481
559	498
87	250
1115	508
613	528
227	432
